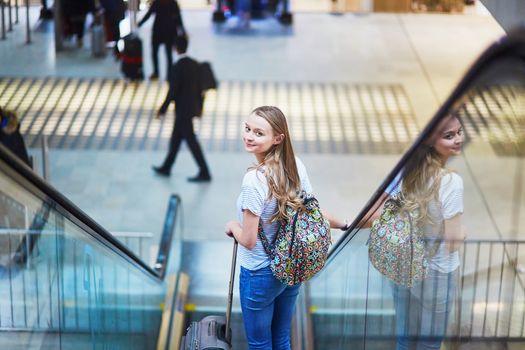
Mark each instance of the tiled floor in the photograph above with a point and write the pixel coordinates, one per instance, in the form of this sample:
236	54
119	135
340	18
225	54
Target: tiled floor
324	117
425	54
369	59
79	113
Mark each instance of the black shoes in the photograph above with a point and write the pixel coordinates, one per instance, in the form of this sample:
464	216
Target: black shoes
161	171
200	178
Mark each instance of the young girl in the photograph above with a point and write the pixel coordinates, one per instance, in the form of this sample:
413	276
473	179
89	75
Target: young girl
422	311
267	304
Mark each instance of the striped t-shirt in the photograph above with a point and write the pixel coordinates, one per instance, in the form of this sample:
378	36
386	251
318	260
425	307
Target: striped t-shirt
254	197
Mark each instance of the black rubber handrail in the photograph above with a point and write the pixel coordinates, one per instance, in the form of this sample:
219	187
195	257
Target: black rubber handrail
511	46
166	238
57	201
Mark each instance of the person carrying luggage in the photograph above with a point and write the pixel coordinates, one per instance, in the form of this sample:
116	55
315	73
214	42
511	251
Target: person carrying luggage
268	188
114	12
166	28
75	12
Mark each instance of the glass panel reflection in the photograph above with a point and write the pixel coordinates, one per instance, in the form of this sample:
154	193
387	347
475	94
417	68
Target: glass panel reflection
63	287
450	271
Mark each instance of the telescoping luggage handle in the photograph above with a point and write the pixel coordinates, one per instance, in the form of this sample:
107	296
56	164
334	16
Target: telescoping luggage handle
230	292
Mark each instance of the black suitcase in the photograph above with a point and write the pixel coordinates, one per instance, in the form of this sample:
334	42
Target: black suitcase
212	332
131	57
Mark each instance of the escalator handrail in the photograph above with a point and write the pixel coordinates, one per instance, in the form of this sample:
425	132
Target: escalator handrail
90	226
511	45
166	238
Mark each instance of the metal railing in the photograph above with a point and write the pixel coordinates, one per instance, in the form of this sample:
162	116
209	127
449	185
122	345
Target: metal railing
33	301
45	158
358	307
491	298
26	273
9	16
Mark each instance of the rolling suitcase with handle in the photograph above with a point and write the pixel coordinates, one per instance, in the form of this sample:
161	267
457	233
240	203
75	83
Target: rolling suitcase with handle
131	57
212	332
98	41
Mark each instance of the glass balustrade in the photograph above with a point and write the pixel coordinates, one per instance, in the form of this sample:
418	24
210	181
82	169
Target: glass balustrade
64	285
473	291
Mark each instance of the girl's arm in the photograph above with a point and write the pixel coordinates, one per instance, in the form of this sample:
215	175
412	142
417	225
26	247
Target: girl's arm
454	233
335	222
374	212
246	234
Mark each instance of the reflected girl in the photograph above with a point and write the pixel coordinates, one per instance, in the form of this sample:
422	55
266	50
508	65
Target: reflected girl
422	311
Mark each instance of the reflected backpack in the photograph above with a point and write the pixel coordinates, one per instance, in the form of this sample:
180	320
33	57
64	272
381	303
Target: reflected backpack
396	246
301	244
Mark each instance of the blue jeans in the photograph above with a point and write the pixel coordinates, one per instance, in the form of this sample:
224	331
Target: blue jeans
267	309
422	311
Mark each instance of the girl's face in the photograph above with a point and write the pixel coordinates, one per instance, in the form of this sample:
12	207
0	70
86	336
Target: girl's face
258	136
450	139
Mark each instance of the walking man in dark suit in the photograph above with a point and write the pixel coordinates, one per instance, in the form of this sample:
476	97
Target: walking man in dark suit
186	92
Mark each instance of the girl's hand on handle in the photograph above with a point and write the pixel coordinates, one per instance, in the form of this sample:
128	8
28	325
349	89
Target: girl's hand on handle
246	234
230	226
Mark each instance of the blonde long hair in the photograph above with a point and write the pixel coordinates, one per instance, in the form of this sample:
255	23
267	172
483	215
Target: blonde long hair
422	176
279	164
421	182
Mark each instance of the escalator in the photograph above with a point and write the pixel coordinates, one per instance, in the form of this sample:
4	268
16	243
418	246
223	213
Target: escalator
66	282
349	305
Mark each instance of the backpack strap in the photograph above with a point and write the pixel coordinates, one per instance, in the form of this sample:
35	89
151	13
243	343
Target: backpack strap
268	247
432	249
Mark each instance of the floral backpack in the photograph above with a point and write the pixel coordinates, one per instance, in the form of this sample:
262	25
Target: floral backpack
300	247
396	246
